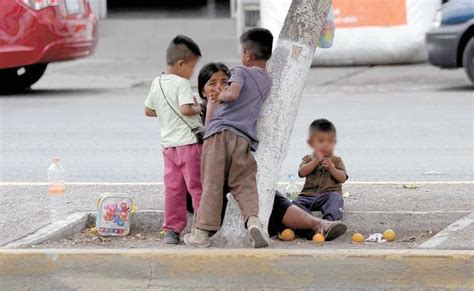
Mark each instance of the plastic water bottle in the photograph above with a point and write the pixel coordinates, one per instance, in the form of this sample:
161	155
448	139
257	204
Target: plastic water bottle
292	190
56	189
326	38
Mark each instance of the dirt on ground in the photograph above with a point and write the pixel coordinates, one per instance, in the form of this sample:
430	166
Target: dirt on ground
89	239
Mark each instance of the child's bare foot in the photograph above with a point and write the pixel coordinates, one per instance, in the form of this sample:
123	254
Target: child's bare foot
198	238
259	238
333	229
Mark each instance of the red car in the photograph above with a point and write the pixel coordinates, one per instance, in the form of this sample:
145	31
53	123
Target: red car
34	33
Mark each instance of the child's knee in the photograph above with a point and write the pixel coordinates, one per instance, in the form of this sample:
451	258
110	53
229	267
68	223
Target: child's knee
335	198
301	203
334	207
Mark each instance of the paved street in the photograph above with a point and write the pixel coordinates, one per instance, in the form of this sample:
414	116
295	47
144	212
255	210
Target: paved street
395	123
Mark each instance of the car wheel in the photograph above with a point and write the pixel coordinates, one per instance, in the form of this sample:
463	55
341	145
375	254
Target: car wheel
20	78
468	59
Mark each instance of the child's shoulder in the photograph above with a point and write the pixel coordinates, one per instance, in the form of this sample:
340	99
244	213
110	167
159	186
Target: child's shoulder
172	77
338	162
308	157
253	72
170	80
246	69
238	67
336	158
239	70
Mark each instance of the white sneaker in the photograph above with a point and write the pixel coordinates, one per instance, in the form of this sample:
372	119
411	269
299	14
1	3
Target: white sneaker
258	235
199	238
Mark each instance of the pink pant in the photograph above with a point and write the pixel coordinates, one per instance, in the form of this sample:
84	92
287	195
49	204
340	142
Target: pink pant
182	175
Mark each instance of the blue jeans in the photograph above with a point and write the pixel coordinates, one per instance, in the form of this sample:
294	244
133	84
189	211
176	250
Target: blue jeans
330	204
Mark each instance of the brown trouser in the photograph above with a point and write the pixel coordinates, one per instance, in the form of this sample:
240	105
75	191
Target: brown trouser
226	159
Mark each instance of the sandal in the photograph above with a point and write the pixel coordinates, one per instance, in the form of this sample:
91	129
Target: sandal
335	230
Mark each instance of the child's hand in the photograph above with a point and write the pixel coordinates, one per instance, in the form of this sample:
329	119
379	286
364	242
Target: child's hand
196	106
214	95
196	103
328	164
317	156
214	98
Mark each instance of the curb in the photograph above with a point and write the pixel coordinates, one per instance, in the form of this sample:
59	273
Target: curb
73	224
236	268
403	222
77	222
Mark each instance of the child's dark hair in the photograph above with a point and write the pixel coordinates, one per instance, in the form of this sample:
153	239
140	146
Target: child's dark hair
259	41
206	73
182	48
322	125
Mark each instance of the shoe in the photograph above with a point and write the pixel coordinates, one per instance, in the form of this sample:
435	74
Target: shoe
255	229
199	238
171	237
334	230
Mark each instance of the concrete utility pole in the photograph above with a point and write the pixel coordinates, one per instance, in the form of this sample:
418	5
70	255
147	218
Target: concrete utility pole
289	68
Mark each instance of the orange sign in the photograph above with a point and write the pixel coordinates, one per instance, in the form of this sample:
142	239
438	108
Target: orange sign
354	13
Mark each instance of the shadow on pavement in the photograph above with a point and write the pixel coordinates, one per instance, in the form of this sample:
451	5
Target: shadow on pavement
52	92
461	88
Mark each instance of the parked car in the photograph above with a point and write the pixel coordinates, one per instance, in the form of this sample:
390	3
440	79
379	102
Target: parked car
451	41
34	33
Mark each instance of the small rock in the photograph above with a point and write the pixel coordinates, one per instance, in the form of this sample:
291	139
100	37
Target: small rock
93	230
427	233
410	186
410	239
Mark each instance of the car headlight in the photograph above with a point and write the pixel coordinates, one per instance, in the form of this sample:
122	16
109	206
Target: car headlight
438	19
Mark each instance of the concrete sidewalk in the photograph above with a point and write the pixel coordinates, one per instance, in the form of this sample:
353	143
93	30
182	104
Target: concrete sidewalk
236	269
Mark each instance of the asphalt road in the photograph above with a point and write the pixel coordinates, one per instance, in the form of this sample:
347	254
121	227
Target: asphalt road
395	123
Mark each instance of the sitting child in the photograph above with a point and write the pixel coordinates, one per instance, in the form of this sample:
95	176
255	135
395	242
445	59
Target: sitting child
230	137
171	100
324	173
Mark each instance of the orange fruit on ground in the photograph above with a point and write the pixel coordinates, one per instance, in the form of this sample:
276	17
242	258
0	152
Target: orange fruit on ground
287	235
93	230
357	238
389	235
319	238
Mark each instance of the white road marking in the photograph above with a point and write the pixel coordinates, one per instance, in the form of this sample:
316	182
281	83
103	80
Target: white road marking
443	235
3	184
409	212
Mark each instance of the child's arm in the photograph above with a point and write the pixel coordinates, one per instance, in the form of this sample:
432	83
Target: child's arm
308	166
230	93
150	112
210	109
150	109
338	174
188	104
190	109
